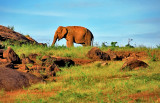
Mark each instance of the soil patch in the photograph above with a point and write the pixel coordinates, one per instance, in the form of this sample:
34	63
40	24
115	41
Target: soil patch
10	96
82	61
145	96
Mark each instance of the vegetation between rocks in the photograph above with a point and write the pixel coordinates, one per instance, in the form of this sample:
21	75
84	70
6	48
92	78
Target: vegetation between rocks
92	82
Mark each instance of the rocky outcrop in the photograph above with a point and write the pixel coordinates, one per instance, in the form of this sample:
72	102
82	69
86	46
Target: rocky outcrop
96	54
112	55
9	34
11	79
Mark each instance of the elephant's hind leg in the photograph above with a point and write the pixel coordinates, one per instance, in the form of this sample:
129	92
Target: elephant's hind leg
88	40
88	43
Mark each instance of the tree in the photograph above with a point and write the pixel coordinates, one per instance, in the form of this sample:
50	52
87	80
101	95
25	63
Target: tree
103	44
113	44
129	45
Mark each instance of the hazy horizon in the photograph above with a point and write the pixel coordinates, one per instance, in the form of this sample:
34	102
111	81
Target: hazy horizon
116	20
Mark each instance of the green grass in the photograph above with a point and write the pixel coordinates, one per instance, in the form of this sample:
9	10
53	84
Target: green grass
2	92
93	83
73	52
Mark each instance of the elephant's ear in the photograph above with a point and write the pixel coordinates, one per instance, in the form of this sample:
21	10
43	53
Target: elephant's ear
64	32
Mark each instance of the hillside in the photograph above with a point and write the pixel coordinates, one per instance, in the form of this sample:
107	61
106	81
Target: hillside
9	34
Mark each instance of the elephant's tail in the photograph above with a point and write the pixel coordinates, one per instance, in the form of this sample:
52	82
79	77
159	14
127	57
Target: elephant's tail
89	38
92	39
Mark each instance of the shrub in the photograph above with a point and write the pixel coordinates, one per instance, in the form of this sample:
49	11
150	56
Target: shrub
103	44
158	46
130	46
27	35
11	27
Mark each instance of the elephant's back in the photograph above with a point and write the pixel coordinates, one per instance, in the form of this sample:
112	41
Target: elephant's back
79	30
76	27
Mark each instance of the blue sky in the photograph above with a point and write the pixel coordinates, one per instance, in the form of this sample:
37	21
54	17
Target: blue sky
109	20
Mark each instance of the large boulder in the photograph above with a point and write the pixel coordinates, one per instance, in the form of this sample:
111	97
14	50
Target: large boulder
96	54
133	64
11	56
11	79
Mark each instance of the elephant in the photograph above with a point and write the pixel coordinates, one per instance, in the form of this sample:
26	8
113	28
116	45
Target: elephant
74	34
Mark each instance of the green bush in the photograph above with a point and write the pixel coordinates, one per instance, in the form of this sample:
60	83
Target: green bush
113	44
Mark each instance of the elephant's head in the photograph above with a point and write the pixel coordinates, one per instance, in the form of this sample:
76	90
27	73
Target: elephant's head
59	34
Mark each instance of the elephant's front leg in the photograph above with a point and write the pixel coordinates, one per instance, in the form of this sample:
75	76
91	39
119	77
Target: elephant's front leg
69	42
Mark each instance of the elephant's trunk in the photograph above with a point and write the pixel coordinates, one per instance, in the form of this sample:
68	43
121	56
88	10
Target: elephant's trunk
55	39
